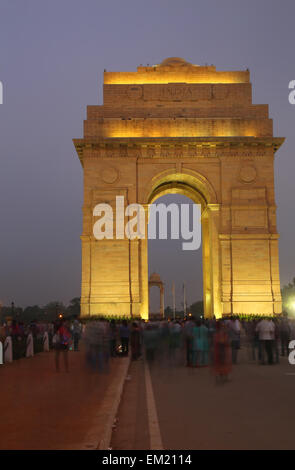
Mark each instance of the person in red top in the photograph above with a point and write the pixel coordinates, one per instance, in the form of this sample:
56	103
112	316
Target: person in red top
61	342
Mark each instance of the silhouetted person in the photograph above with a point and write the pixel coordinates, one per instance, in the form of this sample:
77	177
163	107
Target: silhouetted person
285	333
221	353
150	336
76	334
234	335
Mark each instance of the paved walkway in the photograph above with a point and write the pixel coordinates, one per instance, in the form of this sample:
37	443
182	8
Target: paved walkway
255	410
43	409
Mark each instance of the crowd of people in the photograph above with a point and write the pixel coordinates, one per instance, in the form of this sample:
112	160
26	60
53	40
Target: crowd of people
21	340
191	342
25	340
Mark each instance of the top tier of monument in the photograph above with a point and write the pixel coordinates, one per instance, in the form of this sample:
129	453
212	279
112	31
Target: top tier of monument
176	99
176	82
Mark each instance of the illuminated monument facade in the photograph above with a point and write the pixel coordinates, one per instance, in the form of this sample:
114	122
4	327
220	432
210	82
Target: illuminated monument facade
182	128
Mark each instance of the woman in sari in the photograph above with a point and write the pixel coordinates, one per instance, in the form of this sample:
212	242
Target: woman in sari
30	344
8	354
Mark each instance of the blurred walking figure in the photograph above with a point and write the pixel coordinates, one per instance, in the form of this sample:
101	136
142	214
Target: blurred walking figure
97	340
16	337
45	341
285	334
103	346
266	333
200	345
150	336
175	331
188	337
90	339
61	342
124	336
211	332
234	334
252	339
76	333
221	353
135	341
276	341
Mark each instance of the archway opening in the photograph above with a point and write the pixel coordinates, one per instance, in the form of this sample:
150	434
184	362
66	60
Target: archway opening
181	270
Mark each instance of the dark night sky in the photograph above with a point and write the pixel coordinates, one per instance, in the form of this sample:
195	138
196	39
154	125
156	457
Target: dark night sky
52	56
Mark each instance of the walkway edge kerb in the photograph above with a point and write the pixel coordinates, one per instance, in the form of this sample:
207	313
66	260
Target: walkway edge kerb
105	441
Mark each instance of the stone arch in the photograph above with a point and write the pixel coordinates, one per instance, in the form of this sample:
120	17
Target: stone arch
189	181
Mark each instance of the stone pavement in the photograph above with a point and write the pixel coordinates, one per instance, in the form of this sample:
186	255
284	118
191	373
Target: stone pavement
43	409
254	410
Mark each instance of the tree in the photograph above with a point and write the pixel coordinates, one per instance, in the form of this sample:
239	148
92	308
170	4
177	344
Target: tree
31	313
168	312
197	309
73	308
16	313
53	309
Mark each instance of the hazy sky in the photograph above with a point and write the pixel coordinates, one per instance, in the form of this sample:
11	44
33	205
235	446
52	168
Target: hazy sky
52	57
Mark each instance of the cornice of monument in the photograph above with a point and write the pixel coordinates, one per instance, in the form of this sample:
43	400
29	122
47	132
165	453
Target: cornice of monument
179	147
274	142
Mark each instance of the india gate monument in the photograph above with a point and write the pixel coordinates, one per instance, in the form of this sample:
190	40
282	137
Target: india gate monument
192	130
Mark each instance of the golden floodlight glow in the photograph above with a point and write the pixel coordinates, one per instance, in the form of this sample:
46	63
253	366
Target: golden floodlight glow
165	78
175	70
178	128
113	78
